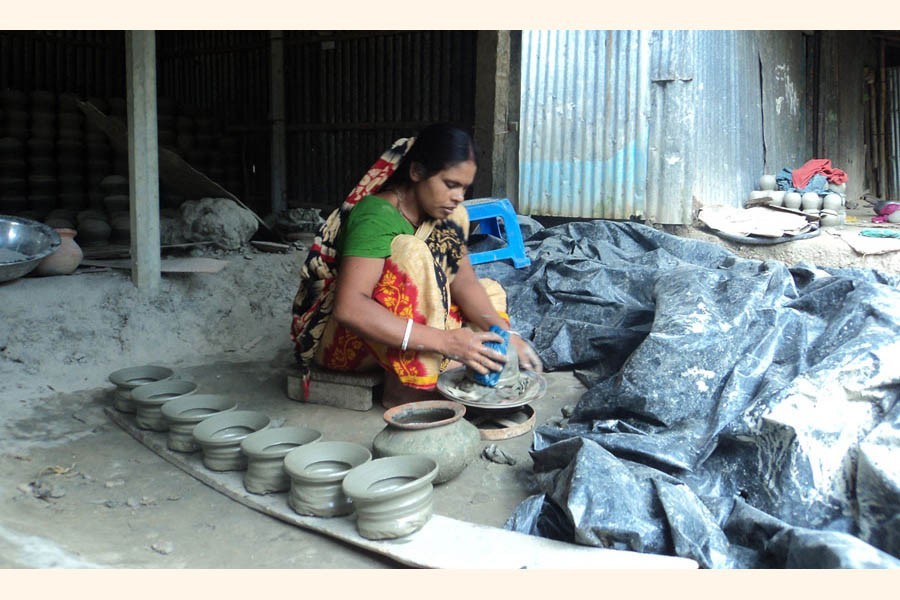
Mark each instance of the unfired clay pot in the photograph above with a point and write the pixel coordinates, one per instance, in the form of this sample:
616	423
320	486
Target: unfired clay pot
767	182
793	200
832	202
811	201
183	414
265	452
129	378
776	198
65	259
432	428
317	472
220	437
392	496
148	400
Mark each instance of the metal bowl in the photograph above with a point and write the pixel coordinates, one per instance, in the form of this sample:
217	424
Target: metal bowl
23	245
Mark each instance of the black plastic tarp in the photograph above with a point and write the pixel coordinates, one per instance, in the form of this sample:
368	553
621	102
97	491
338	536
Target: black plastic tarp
740	413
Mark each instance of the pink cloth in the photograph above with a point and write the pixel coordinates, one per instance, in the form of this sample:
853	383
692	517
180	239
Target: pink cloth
802	175
890	207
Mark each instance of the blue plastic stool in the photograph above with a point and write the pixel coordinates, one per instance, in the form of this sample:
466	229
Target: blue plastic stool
485	212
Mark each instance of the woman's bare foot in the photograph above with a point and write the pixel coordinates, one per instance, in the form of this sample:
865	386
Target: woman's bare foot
395	393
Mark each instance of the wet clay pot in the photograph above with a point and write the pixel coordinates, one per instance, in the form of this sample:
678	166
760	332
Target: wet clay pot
183	414
220	438
392	496
265	452
317	472
129	378
433	428
65	259
148	400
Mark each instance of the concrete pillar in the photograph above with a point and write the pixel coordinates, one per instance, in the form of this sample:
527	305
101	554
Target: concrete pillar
143	158
492	112
279	135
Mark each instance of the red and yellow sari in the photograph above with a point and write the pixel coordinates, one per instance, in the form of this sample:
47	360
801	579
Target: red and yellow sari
415	284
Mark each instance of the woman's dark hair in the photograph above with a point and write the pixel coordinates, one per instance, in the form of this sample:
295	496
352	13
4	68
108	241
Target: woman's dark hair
437	147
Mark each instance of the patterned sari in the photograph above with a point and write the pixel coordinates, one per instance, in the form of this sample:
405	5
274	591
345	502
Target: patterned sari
414	284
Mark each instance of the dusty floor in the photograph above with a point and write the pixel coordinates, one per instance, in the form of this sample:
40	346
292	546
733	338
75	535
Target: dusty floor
77	491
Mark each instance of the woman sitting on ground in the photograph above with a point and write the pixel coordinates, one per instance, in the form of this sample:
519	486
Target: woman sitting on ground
388	280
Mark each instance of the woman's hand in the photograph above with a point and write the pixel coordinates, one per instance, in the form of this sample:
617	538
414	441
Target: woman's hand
528	357
467	347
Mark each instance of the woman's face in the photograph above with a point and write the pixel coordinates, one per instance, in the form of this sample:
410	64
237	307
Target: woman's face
440	194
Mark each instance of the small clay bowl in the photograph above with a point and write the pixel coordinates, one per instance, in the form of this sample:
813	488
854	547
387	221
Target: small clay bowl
316	473
265	452
220	438
129	378
148	400
392	496
183	414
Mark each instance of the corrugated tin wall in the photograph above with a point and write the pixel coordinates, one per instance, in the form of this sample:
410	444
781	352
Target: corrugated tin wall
584	129
623	123
351	94
87	63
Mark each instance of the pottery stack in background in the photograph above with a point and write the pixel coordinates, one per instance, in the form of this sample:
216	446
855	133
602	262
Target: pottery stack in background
829	208
58	168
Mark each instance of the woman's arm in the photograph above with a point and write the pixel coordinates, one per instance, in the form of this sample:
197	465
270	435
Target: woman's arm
355	309
468	293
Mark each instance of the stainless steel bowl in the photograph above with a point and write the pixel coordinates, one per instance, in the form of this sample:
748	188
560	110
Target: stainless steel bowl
23	245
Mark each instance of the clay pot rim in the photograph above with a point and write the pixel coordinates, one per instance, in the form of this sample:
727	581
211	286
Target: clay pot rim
298	460
205	432
173	409
257	444
358	481
144	395
391	415
123	378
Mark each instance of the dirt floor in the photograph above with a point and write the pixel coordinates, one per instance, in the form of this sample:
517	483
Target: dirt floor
77	491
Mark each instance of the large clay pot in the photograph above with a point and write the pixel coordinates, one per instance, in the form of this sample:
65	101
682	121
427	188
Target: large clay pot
65	259
433	428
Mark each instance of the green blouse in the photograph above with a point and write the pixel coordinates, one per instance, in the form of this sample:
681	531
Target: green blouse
370	228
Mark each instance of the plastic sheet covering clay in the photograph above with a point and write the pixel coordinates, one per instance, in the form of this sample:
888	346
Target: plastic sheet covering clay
715	383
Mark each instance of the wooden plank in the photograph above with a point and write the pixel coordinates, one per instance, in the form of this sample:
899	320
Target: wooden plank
443	543
197	264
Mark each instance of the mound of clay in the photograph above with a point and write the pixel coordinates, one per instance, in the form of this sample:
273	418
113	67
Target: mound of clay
218	220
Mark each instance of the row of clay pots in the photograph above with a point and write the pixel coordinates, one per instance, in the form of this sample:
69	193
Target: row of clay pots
391	495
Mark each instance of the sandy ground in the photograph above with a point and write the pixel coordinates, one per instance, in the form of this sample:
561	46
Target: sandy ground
77	491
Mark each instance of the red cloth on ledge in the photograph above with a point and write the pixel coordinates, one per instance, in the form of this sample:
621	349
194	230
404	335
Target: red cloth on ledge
802	175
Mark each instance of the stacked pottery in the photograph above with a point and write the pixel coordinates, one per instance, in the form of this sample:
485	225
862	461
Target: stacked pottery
13	184
392	496
99	153
148	401
265	452
70	154
117	202
167	137
811	203
183	414
129	378
220	438
433	428
317	473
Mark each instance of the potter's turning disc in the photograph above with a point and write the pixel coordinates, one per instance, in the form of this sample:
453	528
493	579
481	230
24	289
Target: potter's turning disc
455	385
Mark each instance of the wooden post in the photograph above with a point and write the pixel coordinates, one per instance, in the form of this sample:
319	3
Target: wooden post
279	143
491	111
143	158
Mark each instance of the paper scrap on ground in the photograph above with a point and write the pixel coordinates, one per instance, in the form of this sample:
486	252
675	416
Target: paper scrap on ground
866	245
758	220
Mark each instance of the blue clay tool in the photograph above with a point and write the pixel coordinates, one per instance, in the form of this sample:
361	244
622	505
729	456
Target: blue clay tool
491	378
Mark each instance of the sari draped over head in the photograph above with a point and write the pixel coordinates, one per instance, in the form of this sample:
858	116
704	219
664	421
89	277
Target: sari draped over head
314	300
